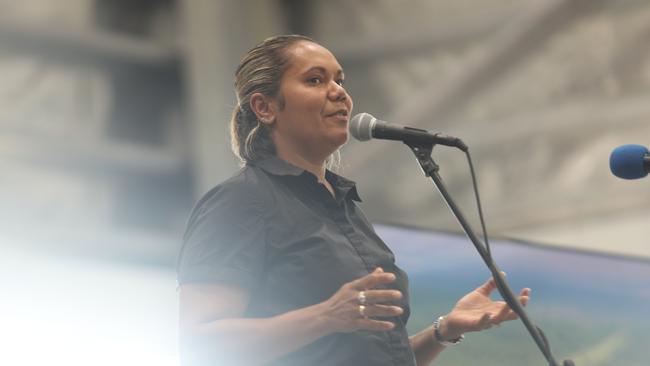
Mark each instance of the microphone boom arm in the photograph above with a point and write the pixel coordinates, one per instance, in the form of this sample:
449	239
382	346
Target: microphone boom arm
422	153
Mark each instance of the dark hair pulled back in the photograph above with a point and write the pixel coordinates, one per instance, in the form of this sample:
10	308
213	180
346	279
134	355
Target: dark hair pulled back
259	71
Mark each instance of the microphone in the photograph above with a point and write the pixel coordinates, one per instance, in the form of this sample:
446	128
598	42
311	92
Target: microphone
364	127
630	161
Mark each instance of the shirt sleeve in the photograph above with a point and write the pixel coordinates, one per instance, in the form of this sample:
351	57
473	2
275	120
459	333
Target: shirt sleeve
225	240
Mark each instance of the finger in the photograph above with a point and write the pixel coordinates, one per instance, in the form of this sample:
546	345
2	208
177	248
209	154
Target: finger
524	296
484	322
372	280
487	288
523	300
508	314
511	316
379	296
377	325
382	311
502	314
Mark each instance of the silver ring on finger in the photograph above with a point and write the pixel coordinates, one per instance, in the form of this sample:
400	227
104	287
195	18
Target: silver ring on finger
362	311
362	297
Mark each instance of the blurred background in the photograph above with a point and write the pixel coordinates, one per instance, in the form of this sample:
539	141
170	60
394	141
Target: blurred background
114	120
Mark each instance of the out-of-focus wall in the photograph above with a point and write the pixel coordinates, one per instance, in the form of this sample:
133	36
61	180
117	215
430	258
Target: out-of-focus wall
541	91
114	118
93	147
115	113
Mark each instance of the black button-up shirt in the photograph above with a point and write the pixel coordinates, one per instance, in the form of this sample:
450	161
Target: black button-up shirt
275	231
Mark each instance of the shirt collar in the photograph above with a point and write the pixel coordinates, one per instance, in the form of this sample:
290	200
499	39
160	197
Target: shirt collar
344	186
277	166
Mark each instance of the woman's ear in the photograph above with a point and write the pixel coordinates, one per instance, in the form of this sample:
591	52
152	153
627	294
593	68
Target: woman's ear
264	108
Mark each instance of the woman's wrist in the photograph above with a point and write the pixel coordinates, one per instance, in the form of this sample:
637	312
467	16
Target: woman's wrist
444	334
323	321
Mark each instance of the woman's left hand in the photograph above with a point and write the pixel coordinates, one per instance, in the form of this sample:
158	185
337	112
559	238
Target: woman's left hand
476	311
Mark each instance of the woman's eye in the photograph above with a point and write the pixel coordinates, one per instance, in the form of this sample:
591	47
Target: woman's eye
314	80
341	82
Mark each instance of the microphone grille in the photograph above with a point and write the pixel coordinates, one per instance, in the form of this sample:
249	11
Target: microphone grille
361	126
627	161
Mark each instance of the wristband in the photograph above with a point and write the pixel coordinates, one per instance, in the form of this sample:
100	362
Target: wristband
438	337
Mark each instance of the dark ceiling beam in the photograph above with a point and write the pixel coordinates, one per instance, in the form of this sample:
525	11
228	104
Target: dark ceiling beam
85	46
299	16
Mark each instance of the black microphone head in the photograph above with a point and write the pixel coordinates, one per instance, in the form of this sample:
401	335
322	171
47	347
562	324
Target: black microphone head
361	126
627	161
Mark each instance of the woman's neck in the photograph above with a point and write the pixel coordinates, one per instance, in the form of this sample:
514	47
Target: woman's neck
314	166
310	158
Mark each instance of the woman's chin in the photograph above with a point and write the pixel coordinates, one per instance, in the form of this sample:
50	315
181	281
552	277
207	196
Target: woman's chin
339	139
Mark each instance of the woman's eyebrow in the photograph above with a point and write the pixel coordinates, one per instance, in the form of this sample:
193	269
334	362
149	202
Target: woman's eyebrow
323	70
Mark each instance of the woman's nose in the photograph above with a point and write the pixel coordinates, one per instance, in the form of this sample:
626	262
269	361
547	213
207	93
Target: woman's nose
338	92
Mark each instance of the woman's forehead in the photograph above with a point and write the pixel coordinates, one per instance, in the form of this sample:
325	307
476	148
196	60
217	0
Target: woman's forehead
306	56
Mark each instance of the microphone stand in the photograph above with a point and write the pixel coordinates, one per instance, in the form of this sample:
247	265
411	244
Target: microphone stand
422	153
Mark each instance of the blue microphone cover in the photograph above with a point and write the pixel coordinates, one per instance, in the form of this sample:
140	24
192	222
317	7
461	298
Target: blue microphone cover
627	161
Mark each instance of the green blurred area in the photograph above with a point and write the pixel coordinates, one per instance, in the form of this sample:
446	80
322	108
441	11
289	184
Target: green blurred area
593	308
588	336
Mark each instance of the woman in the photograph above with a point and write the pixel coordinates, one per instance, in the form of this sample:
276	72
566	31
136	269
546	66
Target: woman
279	265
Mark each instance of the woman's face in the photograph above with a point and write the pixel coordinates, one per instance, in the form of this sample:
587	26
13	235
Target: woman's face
313	118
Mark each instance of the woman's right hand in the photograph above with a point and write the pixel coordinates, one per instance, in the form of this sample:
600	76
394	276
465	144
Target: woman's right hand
342	312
